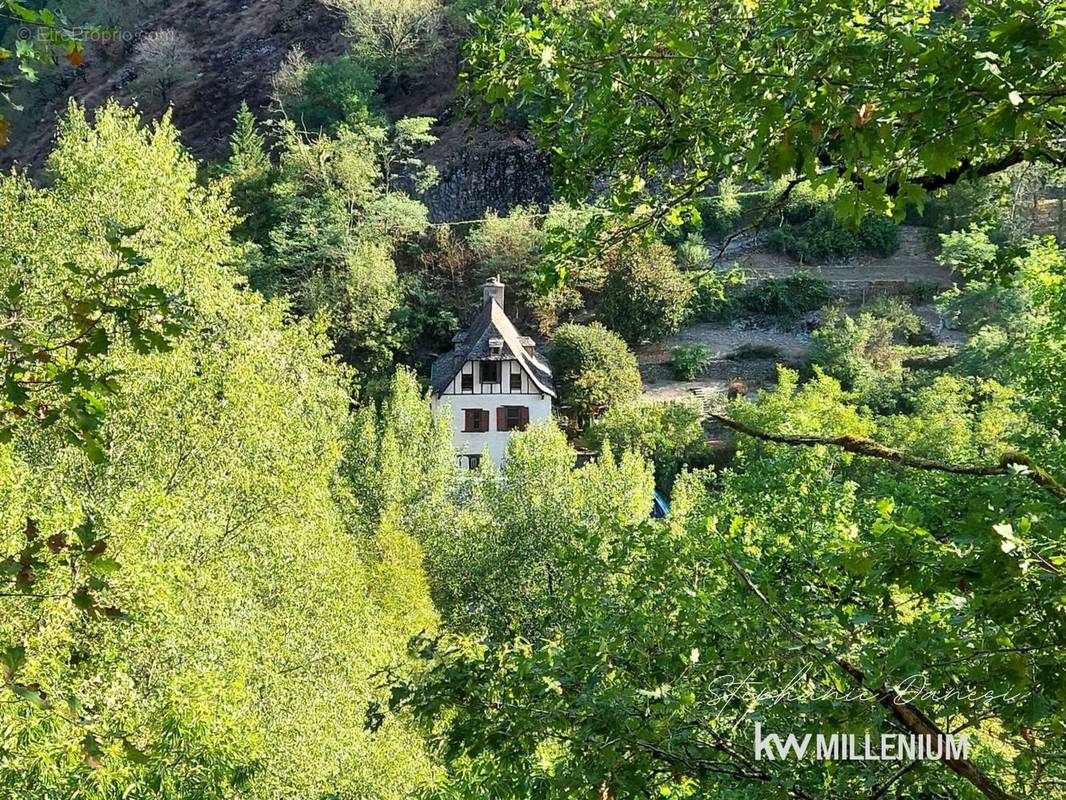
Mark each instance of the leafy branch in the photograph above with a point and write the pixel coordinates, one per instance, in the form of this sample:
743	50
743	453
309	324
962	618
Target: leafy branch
1010	463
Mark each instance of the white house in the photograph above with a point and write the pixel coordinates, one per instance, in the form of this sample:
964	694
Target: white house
494	381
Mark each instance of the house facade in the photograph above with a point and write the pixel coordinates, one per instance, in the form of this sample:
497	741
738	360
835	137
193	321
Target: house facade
493	381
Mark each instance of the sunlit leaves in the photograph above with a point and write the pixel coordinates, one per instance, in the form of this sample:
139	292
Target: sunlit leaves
50	358
767	88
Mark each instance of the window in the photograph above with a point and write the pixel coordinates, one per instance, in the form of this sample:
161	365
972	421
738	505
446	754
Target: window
467	382
473	461
511	418
490	371
477	420
516	381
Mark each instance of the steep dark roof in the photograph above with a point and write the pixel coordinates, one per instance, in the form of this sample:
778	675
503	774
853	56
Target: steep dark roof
489	324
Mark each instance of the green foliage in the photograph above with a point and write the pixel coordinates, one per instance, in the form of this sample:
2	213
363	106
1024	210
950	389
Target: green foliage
754	352
327	221
790	297
513	247
500	564
668	434
862	351
593	370
645	296
327	94
1015	317
692	253
969	252
50	33
51	359
844	101
247	145
689	361
256	617
391	35
824	238
801	563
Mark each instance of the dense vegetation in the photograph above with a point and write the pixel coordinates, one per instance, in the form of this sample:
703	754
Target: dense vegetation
239	560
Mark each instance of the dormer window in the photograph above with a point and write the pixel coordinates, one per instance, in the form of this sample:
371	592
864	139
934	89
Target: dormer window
495	347
490	371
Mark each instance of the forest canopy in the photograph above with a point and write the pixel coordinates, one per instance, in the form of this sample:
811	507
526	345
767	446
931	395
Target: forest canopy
240	560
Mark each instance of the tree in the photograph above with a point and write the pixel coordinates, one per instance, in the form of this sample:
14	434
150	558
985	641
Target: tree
500	565
665	100
390	34
213	530
327	225
514	246
668	434
805	592
320	96
247	146
861	351
162	59
253	176
645	296
593	370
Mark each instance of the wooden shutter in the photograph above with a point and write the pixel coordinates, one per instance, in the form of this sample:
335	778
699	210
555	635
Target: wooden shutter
523	417
484	419
501	419
470	424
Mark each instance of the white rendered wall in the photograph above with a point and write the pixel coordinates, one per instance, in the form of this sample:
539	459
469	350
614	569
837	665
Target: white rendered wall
493	442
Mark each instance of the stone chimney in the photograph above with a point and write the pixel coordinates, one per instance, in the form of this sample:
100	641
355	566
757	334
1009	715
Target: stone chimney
493	290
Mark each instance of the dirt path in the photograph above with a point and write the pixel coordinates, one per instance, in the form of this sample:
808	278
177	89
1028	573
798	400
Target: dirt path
858	280
912	263
722	341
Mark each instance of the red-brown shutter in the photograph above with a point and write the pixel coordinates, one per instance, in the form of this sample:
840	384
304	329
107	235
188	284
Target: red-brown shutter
501	419
469	421
523	417
484	419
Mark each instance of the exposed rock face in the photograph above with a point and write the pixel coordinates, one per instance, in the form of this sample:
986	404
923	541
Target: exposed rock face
497	177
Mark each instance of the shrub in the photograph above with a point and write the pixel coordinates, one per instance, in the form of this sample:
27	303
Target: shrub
645	296
824	237
162	61
861	351
669	434
754	352
390	34
689	361
969	252
594	370
320	96
788	297
692	252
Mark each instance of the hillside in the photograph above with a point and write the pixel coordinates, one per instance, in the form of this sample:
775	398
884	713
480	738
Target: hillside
236	49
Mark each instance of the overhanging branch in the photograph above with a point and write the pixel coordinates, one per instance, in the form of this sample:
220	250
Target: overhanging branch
1010	463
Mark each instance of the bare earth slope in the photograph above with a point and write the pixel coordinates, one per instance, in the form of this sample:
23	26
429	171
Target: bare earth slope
237	46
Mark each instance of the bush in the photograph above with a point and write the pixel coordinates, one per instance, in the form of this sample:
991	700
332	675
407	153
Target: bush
861	351
594	370
755	352
320	96
968	252
788	297
645	296
162	61
824	237
391	34
689	361
670	435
